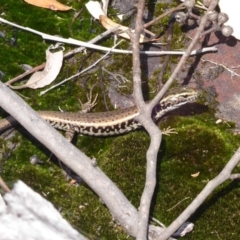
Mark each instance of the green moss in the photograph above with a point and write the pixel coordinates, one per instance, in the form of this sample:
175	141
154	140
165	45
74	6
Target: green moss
47	179
200	145
124	162
75	203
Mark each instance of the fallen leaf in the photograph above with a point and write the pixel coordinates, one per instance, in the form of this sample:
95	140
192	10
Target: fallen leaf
49	4
95	9
105	6
42	78
107	23
195	174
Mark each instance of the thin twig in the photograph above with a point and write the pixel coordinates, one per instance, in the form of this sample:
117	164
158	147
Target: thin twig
119	206
181	62
35	69
87	44
4	185
188	211
68	54
235	176
224	175
153	53
222	65
154	132
56	38
118	77
179	7
167	58
177	204
94	40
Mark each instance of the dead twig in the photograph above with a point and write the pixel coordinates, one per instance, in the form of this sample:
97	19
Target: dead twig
180	7
196	203
70	53
154	132
4	185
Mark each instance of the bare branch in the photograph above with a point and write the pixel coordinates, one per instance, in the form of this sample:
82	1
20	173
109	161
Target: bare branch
202	196
121	209
27	215
235	176
224	175
179	7
145	120
149	125
185	55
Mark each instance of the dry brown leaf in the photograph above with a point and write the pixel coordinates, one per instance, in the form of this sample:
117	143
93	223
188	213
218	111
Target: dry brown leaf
95	9
49	4
195	174
121	31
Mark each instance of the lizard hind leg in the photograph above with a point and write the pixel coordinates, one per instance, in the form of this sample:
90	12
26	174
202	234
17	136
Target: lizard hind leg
69	135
